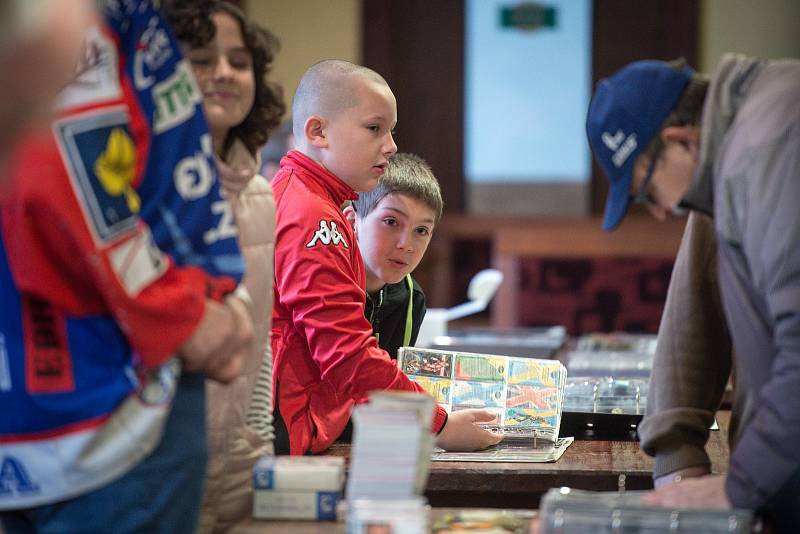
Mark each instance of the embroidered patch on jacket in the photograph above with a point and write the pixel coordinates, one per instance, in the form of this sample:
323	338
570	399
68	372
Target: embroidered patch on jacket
48	364
96	75
137	262
327	234
100	157
175	98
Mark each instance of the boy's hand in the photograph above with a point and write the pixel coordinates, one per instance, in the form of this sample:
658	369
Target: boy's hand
462	432
221	341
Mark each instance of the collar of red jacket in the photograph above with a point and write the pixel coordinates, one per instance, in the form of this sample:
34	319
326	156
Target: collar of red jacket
301	163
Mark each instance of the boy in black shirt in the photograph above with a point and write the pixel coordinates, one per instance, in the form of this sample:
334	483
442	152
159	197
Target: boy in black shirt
394	223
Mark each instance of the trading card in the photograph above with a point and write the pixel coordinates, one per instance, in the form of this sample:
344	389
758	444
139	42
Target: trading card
427	363
534	372
438	388
476	367
478	394
532	398
535	418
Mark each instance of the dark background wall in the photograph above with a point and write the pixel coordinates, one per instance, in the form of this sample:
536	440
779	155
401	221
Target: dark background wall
418	45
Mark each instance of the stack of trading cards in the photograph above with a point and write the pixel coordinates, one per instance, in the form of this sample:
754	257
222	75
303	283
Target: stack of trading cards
525	394
392	446
396	516
593	512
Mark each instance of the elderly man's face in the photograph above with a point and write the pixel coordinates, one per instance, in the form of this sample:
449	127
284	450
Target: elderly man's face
672	172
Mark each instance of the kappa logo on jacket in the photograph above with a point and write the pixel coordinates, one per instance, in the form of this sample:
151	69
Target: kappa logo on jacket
328	233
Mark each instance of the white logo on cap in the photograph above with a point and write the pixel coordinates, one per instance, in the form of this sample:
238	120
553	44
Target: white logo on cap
621	149
613	141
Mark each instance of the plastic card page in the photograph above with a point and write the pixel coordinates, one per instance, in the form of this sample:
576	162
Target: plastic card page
525	394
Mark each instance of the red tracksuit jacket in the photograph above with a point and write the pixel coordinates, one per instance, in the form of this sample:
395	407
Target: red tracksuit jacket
326	358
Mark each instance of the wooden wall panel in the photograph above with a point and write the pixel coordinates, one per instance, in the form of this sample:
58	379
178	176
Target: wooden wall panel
418	46
629	30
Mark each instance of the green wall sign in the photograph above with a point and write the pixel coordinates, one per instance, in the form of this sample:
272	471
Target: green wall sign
528	16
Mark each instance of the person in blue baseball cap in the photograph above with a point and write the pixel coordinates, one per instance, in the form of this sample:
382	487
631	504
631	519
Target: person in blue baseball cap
727	148
627	129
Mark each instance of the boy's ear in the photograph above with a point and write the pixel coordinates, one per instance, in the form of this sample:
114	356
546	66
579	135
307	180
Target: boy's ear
314	130
350	216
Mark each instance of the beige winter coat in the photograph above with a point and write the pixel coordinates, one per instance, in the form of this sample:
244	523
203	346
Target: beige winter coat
235	445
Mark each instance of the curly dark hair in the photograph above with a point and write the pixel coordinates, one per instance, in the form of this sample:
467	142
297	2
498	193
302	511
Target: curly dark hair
192	24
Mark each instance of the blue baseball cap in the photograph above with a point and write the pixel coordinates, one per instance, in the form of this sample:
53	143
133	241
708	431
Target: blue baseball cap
627	110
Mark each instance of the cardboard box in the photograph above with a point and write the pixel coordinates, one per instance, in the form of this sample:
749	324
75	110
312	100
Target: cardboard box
299	473
316	505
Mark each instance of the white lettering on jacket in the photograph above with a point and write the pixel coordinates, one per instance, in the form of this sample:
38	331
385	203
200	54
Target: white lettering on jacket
226	227
193	174
152	51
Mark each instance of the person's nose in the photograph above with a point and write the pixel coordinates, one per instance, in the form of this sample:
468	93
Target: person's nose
405	242
222	69
390	147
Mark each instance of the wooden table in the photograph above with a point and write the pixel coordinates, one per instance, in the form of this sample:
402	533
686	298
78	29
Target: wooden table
255	526
591	465
324	527
586	464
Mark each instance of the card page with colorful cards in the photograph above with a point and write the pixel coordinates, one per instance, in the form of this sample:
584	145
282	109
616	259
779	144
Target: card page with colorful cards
525	394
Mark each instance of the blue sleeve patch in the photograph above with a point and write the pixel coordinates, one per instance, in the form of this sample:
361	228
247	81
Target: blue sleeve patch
100	157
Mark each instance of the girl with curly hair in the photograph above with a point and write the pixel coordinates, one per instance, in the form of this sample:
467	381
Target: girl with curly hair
231	57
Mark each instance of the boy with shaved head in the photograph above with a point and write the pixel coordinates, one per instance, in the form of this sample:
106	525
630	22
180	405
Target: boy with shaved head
326	358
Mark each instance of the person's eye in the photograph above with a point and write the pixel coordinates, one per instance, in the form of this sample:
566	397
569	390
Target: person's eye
390	221
200	61
374	128
201	53
423	231
243	62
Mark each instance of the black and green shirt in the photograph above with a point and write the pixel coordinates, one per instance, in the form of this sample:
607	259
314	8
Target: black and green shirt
394	323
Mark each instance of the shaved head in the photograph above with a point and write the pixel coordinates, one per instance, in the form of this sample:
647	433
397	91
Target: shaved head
327	88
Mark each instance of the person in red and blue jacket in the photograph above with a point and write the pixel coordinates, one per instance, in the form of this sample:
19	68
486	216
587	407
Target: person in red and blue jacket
118	267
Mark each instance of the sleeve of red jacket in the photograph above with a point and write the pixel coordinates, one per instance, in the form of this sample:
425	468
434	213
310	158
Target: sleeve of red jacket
319	284
54	256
